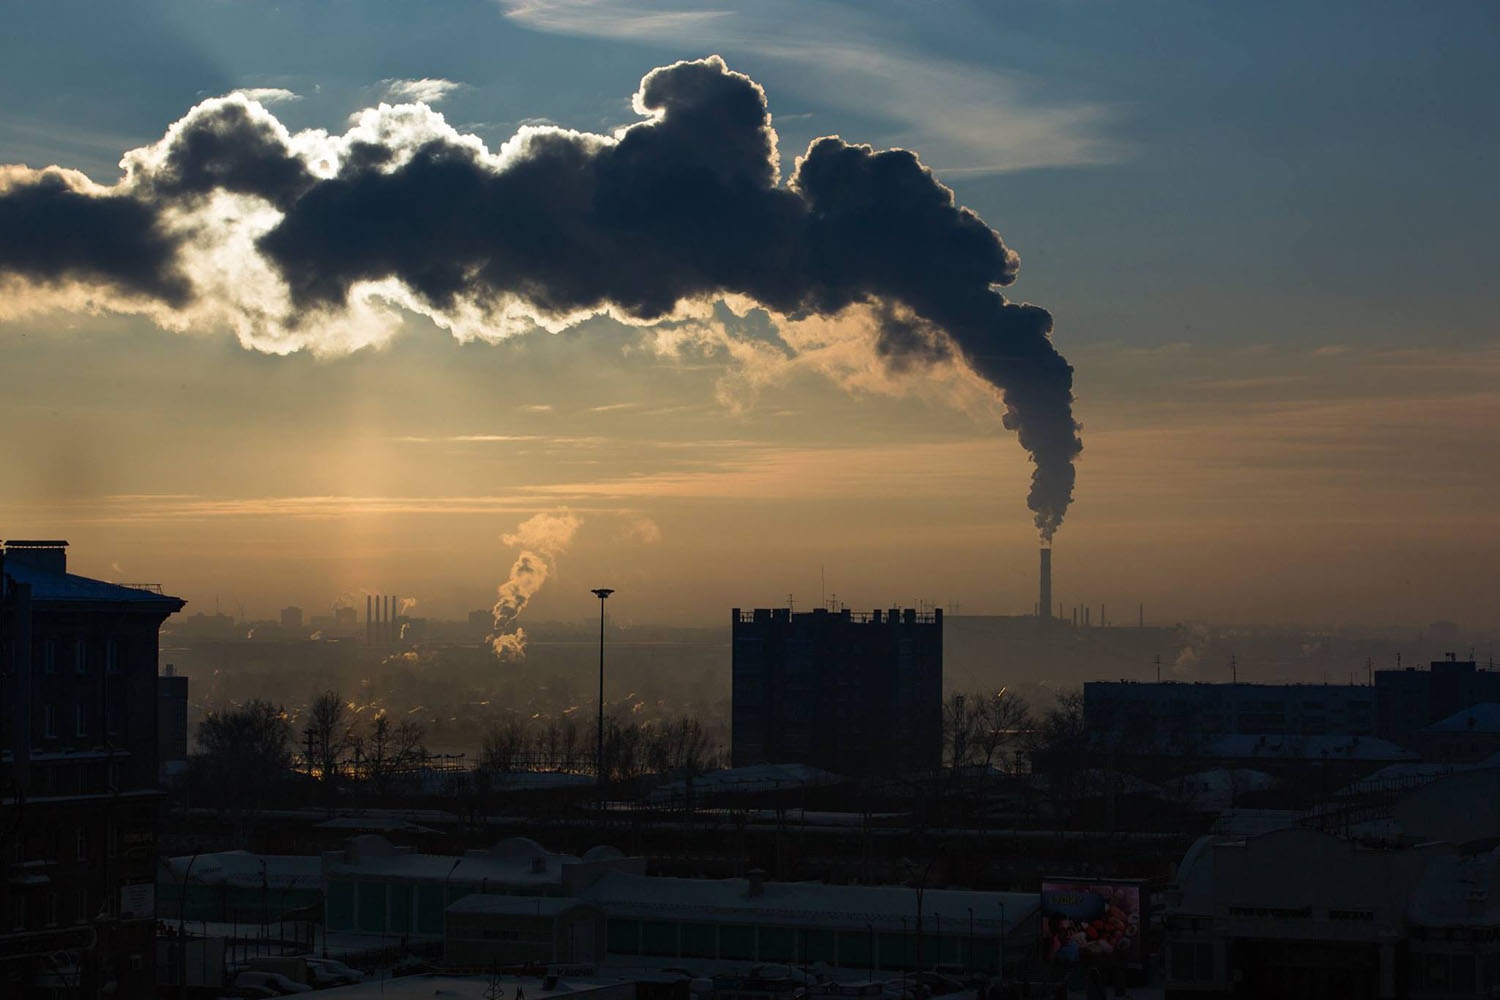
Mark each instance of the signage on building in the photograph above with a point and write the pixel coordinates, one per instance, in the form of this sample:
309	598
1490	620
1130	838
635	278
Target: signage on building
137	901
1092	923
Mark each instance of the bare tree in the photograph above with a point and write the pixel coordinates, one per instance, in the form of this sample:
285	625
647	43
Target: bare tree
243	754
504	747
328	736
1002	724
389	751
678	746
1059	746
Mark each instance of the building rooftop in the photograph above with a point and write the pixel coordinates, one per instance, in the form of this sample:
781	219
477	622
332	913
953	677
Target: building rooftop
1483	718
806	903
43	565
244	870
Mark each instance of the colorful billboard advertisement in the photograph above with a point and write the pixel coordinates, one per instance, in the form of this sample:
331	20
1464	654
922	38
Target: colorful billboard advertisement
1093	923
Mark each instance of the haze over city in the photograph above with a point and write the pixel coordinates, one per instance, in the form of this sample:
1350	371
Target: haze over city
1261	236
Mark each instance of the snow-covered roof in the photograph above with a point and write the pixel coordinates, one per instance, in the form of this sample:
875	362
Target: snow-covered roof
1481	718
755	778
513	861
244	870
805	903
1253	822
53	587
1219	787
1331	746
1408	774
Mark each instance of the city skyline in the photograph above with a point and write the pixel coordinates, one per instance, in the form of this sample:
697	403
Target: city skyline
1260	236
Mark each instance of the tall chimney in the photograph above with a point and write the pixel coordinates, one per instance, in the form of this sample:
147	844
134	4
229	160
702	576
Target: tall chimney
369	624
1044	603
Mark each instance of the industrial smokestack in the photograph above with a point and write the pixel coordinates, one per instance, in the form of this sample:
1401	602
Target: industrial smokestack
1044	603
369	623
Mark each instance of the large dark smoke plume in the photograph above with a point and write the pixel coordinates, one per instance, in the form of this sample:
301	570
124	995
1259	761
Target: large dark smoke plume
312	241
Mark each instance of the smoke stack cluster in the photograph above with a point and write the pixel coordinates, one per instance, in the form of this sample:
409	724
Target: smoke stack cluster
383	619
317	241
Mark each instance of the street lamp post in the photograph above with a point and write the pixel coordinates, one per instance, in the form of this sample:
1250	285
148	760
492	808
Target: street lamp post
601	593
1000	946
182	928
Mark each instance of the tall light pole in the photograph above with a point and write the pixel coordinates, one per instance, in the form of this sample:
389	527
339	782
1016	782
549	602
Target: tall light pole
182	927
601	593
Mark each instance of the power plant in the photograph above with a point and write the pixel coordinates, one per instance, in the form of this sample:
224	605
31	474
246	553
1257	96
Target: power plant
383	619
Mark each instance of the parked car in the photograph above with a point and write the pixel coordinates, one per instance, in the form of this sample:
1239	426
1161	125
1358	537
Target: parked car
332	972
271	980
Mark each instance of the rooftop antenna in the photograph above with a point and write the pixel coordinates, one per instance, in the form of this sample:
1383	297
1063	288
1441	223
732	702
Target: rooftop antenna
822	586
1234	676
1158	668
791	605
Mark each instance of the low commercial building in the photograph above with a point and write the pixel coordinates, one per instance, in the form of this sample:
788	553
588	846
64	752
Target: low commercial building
485	930
374	887
852	926
1406	904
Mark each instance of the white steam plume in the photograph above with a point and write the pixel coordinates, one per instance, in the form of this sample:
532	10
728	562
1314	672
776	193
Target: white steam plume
541	539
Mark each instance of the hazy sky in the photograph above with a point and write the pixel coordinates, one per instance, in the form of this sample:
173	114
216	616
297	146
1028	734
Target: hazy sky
1264	232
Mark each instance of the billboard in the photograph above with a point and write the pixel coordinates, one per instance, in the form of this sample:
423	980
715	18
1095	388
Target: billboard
1093	923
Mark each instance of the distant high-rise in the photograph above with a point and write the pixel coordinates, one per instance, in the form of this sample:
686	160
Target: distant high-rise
291	618
855	694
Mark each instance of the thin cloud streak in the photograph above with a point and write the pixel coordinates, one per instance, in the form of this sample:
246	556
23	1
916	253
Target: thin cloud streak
968	118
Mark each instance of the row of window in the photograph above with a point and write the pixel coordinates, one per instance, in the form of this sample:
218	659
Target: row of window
46	910
80	656
82	717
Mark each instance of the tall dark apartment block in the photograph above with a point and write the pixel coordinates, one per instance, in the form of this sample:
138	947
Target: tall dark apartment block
78	777
856	694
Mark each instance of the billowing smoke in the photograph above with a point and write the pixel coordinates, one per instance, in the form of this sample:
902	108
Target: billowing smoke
541	539
317	241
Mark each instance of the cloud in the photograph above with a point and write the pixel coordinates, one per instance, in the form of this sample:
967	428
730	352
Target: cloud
268	95
428	90
311	241
968	117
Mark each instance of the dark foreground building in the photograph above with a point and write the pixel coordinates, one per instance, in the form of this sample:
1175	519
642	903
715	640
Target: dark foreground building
78	778
856	694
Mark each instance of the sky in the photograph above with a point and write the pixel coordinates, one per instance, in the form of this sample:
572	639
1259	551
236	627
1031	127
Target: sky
1263	233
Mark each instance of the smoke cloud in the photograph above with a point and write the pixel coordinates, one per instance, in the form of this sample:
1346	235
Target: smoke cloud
314	241
541	539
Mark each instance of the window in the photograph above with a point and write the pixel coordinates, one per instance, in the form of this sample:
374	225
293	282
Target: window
51	909
49	722
49	656
18	912
111	657
81	914
1192	961
80	720
80	656
112	716
82	843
